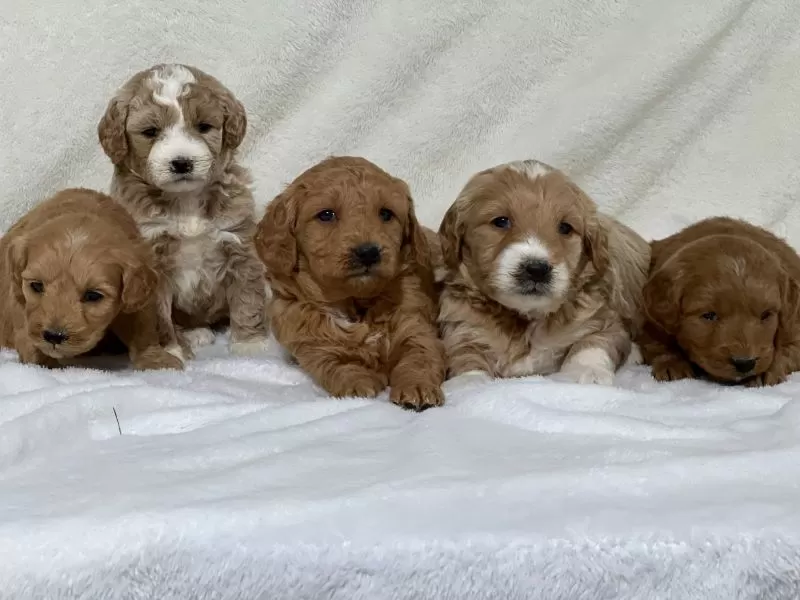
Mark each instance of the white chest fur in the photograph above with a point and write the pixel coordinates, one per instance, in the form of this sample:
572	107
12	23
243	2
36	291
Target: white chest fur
196	265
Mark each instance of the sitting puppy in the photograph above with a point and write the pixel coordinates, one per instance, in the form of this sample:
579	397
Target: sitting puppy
71	270
172	133
538	282
352	283
722	301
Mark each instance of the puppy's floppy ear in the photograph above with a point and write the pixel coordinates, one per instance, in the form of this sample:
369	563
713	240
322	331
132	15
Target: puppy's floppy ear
595	236
414	239
595	242
111	129
789	315
451	235
139	279
234	127
662	295
16	259
275	238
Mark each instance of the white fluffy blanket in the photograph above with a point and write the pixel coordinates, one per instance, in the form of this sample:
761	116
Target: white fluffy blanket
238	479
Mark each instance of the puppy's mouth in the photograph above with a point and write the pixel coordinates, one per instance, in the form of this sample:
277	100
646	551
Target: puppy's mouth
182	183
362	272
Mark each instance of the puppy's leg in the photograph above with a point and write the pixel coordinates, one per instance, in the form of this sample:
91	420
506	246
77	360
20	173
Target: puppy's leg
343	362
30	354
596	358
465	353
246	289
416	358
167	333
139	332
665	360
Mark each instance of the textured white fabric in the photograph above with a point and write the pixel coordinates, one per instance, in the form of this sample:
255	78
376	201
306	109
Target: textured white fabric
238	480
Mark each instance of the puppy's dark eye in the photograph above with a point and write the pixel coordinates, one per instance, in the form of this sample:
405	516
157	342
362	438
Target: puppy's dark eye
564	228
709	316
92	296
326	216
766	315
150	132
37	287
386	215
501	222
204	127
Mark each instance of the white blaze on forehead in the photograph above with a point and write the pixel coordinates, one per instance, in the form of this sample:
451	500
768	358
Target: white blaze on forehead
169	84
530	168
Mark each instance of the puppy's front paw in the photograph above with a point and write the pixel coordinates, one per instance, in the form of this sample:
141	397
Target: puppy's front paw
592	365
767	378
417	397
251	347
198	337
671	368
356	382
157	358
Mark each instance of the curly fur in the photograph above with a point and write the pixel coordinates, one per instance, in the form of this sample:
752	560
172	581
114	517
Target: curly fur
78	241
723	291
201	223
578	318
355	330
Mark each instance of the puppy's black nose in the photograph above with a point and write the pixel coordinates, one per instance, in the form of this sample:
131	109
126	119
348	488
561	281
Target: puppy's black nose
537	271
181	166
367	254
743	364
54	336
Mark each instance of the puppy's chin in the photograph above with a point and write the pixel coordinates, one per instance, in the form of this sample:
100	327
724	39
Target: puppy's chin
528	304
180	186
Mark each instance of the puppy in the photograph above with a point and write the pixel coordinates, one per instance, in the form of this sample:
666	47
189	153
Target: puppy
172	132
71	270
722	301
352	282
538	282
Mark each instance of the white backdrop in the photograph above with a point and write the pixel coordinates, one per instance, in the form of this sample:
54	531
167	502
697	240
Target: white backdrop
239	479
664	111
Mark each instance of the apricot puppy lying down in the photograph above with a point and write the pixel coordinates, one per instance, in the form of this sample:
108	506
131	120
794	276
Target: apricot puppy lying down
352	282
72	269
723	301
538	282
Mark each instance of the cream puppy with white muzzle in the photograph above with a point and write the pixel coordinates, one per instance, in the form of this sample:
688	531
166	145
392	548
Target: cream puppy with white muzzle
537	281
172	133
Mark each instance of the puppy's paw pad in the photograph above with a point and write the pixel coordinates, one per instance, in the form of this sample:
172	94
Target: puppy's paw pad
417	397
199	337
252	347
158	359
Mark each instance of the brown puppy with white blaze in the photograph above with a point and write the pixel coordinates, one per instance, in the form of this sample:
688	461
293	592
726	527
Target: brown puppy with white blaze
538	281
72	269
352	282
723	301
172	132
